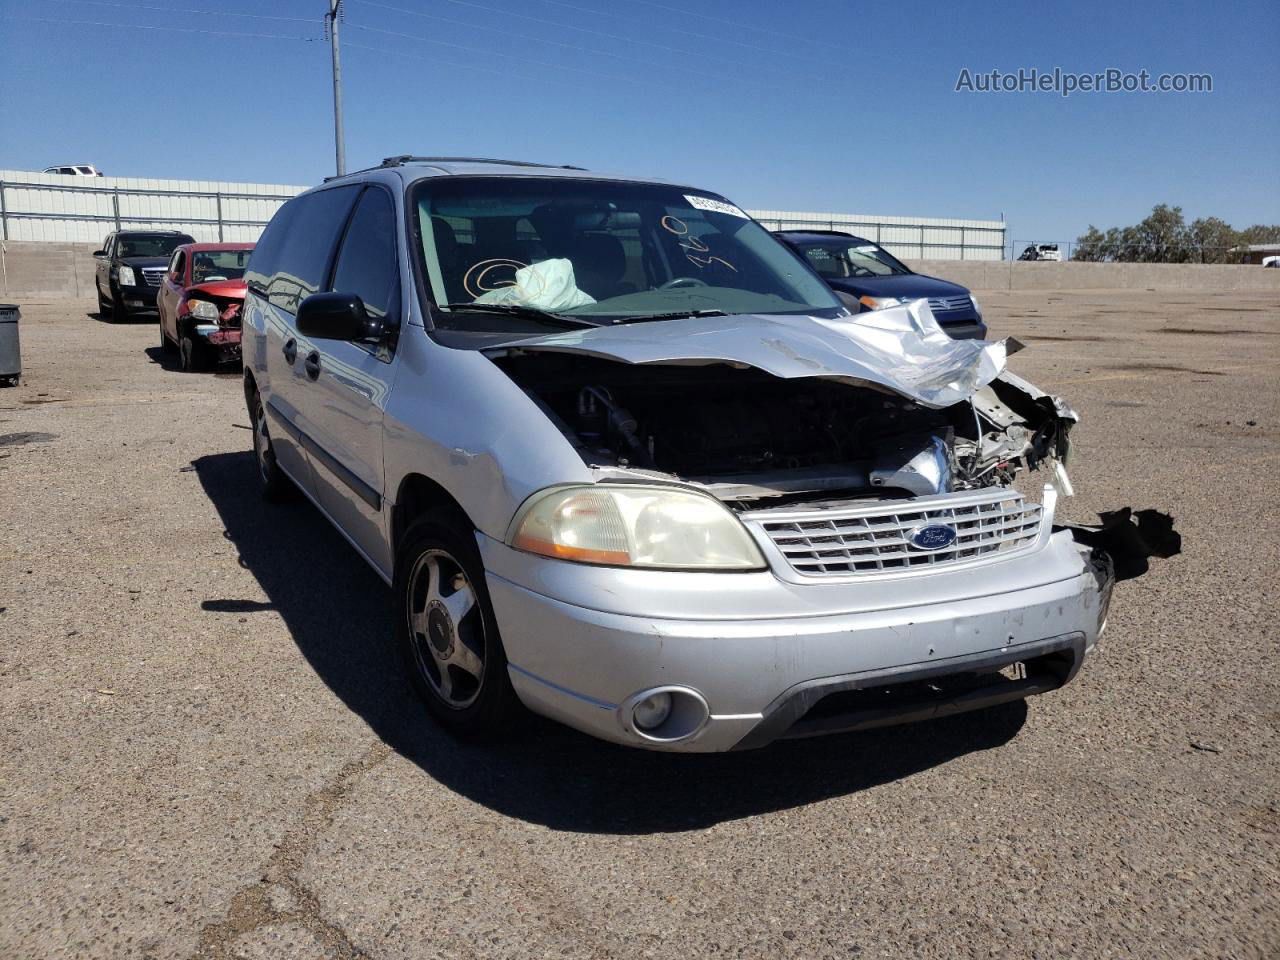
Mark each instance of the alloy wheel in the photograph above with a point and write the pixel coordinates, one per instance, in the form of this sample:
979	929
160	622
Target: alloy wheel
446	629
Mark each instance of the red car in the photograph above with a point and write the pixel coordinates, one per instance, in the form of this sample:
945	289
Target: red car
200	300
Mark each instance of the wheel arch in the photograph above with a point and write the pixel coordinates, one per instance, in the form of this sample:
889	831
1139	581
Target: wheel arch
417	496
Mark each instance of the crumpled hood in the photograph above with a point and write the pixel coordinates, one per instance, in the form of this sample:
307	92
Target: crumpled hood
232	289
901	349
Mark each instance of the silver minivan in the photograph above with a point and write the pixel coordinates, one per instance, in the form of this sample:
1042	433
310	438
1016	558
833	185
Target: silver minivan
624	459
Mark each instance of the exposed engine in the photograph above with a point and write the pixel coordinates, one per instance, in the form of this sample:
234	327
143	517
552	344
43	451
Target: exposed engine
747	435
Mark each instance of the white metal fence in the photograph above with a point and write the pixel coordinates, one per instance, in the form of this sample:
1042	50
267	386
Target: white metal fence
53	207
905	237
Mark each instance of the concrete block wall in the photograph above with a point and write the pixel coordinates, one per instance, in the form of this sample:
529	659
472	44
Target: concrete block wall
35	270
1072	275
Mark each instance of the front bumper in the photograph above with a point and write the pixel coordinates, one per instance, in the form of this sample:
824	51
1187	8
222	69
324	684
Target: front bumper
141	297
224	340
772	659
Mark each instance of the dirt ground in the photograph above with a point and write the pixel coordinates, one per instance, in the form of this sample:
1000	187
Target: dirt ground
208	751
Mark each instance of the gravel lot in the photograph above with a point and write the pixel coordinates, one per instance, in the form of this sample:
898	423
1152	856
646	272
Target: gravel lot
208	751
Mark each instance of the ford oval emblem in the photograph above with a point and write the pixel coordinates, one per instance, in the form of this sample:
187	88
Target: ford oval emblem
933	536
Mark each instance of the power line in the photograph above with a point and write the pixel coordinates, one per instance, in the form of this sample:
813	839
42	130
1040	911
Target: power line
543	20
491	53
641	81
702	71
690	33
202	13
149	26
731	23
453	63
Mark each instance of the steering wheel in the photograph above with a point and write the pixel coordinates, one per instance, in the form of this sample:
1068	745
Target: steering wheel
683	281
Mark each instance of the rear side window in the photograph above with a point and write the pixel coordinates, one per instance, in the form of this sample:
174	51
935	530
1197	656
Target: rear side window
266	253
367	263
307	250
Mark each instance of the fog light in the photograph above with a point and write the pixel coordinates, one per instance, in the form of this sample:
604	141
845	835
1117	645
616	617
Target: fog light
652	711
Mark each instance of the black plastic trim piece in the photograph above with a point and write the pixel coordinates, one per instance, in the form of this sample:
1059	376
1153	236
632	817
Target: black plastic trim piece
785	717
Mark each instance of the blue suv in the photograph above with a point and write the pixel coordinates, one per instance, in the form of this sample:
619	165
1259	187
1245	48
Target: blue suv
867	277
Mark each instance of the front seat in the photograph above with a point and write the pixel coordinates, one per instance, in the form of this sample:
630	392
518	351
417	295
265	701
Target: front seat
599	262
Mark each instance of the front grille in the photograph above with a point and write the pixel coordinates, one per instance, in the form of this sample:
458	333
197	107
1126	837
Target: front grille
153	275
950	304
877	537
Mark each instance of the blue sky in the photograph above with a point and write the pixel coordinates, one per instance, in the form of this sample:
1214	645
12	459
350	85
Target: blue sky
838	105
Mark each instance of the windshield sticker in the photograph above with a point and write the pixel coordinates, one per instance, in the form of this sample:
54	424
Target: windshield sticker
715	206
869	248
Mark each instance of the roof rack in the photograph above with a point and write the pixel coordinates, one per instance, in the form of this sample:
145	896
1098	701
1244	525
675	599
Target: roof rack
833	233
401	160
409	158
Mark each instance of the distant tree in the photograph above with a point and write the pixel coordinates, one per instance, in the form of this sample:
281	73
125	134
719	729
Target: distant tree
1090	245
1211	240
1258	233
1161	237
1165	237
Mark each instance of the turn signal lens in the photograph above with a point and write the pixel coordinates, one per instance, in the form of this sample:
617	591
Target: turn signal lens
634	526
879	303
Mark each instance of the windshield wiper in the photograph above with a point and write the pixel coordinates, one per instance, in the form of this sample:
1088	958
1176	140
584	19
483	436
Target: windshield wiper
516	310
674	315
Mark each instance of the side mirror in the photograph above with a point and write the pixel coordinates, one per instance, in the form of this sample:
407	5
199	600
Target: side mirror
99	253
337	316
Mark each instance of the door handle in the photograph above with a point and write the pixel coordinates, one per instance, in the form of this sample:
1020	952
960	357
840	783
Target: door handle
312	365
290	351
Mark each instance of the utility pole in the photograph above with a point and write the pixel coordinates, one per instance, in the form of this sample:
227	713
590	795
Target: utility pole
338	138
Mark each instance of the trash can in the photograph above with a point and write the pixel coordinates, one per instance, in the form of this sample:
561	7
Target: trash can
10	351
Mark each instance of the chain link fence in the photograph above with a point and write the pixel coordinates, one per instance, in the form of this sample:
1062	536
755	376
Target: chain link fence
1140	252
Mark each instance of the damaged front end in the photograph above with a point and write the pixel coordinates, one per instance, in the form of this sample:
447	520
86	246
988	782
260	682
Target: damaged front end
779	415
876	452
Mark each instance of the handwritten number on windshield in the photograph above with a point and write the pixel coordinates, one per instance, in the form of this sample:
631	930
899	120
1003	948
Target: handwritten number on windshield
691	245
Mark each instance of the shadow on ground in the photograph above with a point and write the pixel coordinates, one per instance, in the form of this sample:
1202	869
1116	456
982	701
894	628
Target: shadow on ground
339	614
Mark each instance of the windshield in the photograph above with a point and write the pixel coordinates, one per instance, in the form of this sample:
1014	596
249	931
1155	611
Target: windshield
859	258
144	245
601	252
209	265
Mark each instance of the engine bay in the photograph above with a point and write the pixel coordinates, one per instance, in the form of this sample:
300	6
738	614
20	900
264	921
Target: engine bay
754	439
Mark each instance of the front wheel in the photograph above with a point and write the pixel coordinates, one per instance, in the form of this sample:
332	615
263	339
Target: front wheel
446	631
166	345
192	354
119	312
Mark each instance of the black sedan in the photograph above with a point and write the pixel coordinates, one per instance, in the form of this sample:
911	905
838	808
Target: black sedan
131	265
867	277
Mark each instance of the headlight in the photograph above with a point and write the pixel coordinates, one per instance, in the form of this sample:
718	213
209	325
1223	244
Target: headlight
203	310
976	309
633	526
879	303
126	277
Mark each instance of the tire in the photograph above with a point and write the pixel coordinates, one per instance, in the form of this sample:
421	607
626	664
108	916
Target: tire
104	305
276	485
446	632
191	355
167	346
119	312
